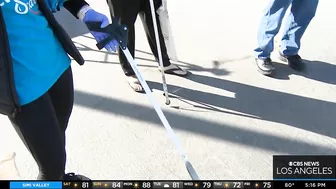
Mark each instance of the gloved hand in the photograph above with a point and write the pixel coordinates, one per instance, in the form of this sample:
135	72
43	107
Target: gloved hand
88	14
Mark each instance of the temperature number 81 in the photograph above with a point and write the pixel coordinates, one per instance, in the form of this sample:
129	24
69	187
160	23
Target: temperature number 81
176	185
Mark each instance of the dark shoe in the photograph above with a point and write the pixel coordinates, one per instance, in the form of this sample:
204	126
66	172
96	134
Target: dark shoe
265	66
74	177
174	69
295	62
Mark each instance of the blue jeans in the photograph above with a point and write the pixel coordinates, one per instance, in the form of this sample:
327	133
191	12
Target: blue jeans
294	26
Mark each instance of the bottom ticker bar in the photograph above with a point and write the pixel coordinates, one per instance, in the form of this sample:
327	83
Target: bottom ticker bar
252	184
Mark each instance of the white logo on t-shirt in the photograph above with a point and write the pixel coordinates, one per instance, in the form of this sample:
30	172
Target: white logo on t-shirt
3	3
22	6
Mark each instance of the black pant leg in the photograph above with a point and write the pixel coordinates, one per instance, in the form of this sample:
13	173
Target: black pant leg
38	128
41	126
127	11
146	16
62	98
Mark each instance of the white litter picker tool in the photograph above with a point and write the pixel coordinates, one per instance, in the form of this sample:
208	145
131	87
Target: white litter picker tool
158	47
167	30
119	33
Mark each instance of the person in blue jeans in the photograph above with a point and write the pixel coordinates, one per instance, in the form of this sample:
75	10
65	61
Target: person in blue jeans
294	26
34	50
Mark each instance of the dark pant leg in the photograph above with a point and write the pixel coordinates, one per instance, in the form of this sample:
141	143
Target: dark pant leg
62	97
127	11
38	128
146	16
38	125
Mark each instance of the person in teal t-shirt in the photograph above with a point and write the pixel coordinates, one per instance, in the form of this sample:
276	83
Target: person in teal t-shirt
43	79
38	57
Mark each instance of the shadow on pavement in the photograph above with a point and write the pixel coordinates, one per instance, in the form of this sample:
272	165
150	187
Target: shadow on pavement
316	70
201	127
193	67
76	28
305	113
185	65
301	112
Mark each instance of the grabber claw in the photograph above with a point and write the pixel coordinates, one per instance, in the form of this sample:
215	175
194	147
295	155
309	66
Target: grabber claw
115	31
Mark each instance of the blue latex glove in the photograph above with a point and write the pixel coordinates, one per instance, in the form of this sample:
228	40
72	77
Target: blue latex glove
92	15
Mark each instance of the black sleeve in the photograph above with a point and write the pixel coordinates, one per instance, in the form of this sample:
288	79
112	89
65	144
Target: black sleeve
73	6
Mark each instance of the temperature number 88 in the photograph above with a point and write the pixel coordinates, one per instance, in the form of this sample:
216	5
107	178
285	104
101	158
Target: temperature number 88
146	185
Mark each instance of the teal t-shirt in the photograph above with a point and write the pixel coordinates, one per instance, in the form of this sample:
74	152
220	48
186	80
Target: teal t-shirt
38	57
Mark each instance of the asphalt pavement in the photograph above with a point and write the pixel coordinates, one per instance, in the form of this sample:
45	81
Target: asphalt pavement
229	118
